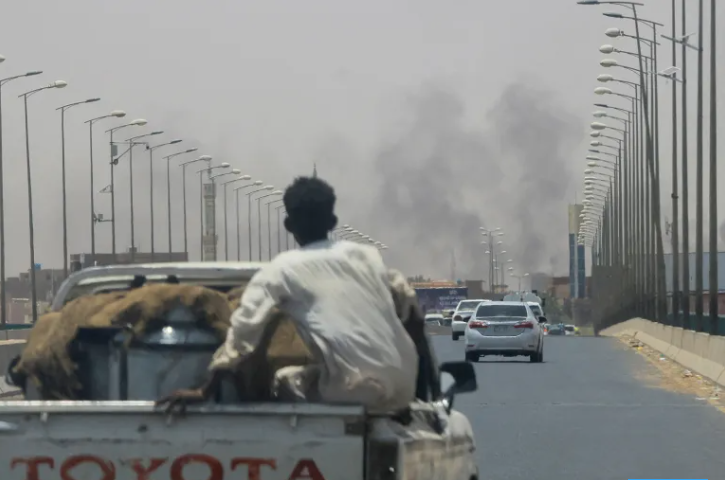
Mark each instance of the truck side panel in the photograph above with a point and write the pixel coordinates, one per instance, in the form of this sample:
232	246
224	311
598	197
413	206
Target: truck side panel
143	445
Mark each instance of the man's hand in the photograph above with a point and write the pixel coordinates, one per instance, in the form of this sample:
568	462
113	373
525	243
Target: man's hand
180	399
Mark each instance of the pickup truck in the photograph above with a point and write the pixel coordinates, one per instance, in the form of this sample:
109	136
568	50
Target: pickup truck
134	440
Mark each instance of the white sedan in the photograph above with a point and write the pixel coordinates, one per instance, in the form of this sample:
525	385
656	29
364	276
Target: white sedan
508	329
461	314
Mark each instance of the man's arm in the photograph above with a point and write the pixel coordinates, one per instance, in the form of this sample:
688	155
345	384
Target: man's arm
409	312
248	323
265	291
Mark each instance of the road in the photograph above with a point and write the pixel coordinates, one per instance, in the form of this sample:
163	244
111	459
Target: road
586	413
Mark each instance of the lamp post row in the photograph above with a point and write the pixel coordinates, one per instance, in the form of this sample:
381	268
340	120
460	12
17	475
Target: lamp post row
621	218
130	143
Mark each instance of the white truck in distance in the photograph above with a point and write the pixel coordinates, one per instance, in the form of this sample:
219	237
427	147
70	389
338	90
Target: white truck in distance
134	440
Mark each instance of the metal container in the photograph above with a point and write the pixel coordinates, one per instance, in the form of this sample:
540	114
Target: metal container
175	357
91	350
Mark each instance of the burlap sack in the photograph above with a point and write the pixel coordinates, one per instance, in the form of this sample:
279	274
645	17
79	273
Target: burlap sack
46	360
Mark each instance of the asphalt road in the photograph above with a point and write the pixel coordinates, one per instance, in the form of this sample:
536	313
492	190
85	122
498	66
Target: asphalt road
585	413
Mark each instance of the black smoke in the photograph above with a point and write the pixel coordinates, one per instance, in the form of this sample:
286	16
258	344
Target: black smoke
441	178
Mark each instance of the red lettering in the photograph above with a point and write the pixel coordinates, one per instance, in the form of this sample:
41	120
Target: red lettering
108	470
254	466
31	465
306	468
216	470
142	472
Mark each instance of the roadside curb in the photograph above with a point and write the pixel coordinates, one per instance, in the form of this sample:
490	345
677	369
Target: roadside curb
696	351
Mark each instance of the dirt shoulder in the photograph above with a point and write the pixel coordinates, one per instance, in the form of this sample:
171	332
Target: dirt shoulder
674	377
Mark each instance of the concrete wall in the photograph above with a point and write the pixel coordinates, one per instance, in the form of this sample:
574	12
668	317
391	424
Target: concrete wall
700	352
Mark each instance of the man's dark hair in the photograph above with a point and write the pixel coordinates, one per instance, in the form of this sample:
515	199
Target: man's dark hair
310	205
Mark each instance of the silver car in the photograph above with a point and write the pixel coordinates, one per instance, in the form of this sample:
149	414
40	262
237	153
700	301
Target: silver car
506	329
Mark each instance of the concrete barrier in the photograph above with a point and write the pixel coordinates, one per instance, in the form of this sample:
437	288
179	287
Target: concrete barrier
700	352
14	334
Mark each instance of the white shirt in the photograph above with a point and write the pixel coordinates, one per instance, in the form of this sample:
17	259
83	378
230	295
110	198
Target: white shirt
339	294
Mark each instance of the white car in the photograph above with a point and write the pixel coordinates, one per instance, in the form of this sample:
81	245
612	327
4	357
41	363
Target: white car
434	319
536	309
461	314
508	329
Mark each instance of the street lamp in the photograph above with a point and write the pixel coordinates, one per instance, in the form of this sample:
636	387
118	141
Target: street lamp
234	171
139	122
151	192
259	217
280	209
203	158
62	109
249	218
94	218
269	227
34	294
226	232
3	308
168	195
256	183
132	143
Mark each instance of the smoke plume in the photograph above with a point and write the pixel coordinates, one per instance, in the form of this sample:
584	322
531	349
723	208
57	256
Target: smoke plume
440	179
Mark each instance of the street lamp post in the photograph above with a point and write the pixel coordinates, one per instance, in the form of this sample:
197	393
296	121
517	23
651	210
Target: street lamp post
131	144
249	218
214	235
203	158
3	308
236	206
259	218
139	122
168	196
113	114
33	292
713	281
151	193
63	109
279	208
269	228
226	231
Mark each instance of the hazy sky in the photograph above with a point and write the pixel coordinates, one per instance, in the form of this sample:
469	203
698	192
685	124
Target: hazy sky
429	118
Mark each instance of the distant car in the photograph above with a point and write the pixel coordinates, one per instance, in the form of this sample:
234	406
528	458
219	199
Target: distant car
536	308
555	330
506	329
571	330
434	319
461	314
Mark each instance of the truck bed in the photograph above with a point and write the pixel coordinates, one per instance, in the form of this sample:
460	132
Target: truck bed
134	441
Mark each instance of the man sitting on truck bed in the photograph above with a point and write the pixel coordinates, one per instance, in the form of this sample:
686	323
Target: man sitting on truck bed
338	293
